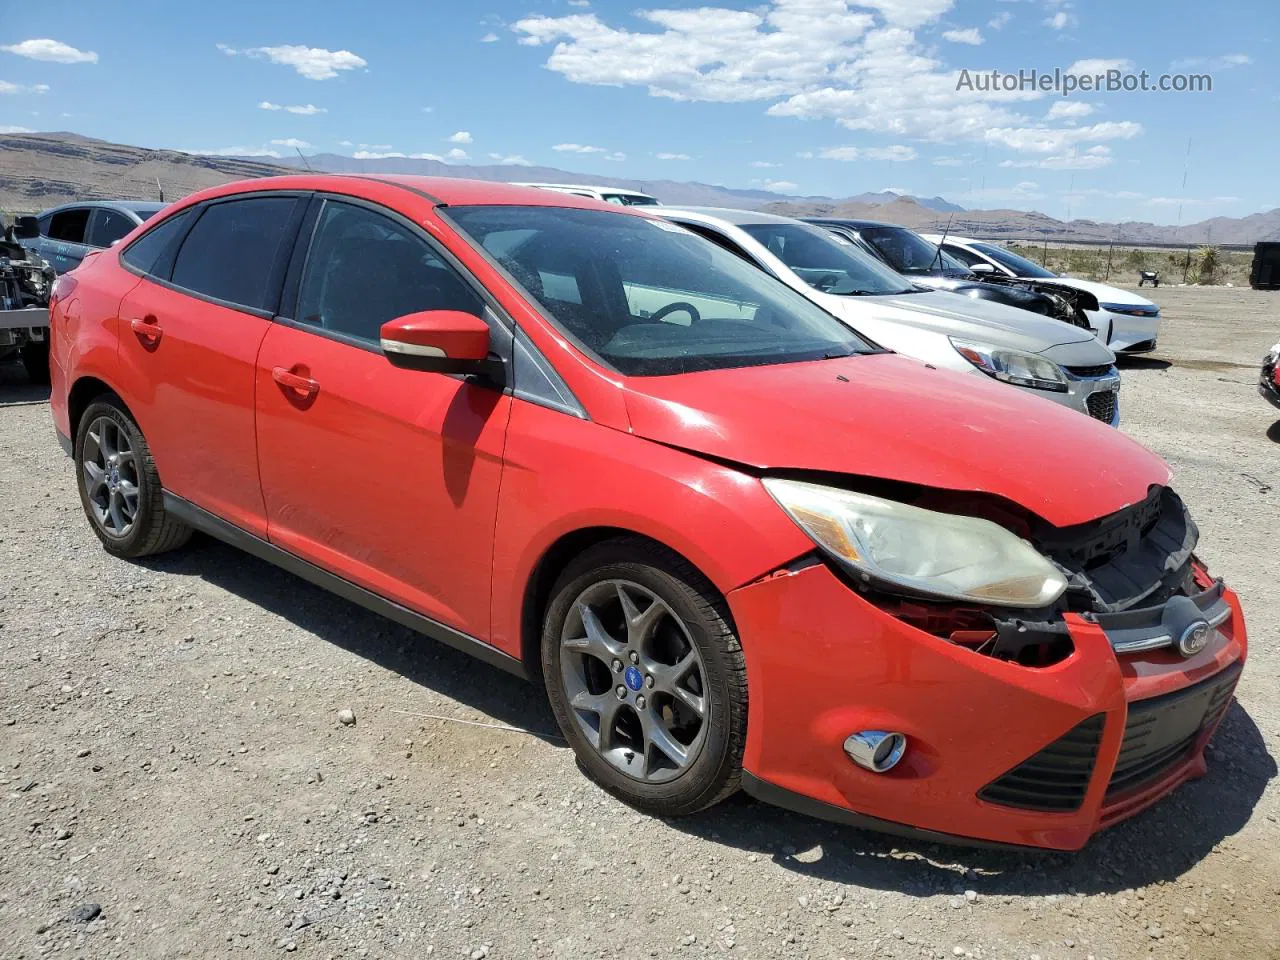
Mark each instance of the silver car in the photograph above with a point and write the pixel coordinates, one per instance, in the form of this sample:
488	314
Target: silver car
1047	358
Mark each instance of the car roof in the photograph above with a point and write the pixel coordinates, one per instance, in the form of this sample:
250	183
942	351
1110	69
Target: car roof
728	215
142	208
590	187
953	238
855	224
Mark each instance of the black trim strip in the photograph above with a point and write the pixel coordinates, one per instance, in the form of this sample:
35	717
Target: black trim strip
777	796
65	442
216	527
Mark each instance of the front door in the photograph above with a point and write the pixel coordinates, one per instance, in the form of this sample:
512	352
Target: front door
385	476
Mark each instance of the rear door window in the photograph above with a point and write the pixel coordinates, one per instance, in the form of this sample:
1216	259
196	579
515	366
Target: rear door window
108	226
69	225
152	253
232	252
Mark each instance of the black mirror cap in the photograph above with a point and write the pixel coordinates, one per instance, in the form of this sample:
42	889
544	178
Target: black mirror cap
491	368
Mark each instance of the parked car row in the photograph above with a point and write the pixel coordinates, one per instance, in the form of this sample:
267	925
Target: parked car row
647	458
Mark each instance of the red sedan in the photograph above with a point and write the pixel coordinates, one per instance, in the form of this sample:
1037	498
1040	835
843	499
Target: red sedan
739	544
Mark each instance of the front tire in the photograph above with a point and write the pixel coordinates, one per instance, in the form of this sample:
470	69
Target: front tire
646	677
119	487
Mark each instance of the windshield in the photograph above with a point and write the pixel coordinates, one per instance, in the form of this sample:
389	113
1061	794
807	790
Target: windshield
630	199
649	298
827	262
909	252
1020	266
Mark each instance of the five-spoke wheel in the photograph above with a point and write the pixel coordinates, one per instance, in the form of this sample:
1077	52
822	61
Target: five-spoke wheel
110	476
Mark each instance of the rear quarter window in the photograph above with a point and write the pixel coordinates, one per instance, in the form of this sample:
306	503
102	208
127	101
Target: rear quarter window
152	253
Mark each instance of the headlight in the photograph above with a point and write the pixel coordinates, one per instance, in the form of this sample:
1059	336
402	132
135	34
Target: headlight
1013	366
941	554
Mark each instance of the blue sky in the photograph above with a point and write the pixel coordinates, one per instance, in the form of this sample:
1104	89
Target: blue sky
825	97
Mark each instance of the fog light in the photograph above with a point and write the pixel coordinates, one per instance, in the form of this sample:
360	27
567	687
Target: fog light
876	750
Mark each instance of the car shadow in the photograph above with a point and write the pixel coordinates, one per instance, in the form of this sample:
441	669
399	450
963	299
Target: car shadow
417	658
1159	844
1273	432
16	387
1126	362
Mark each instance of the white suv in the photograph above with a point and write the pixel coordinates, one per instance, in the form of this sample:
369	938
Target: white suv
624	198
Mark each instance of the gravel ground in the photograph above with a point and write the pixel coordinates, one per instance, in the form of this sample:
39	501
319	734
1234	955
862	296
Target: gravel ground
178	779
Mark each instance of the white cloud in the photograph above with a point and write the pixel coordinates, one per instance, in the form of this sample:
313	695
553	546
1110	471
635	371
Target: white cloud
13	88
1057	139
1212	63
764	164
970	36
948	162
1094	158
778	186
237	152
1093	68
577	148
52	51
389	155
293	143
1000	21
858	63
896	153
672	156
428	109
510	160
489	38
302	109
345	143
11	129
1069	110
457	153
579	3
227	49
460	137
314	63
1059	21
374	146
617	156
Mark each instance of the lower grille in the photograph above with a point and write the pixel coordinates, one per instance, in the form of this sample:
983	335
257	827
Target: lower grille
1055	779
1162	731
1102	405
1088	373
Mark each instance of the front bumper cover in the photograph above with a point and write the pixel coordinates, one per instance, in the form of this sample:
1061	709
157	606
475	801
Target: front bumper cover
823	662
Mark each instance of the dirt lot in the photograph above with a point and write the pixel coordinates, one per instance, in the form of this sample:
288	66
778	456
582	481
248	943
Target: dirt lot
171	755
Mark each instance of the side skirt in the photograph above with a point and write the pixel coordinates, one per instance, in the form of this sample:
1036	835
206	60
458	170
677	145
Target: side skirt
220	529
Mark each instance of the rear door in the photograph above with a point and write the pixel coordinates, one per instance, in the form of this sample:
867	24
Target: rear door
106	226
189	338
387	477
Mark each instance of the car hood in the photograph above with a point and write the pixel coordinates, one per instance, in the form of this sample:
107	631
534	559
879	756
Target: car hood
1104	292
968	318
893	418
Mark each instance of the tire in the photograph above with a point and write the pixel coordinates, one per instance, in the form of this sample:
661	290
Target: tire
634	761
35	357
149	528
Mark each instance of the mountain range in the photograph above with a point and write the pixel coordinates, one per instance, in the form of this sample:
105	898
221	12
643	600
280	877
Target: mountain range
39	170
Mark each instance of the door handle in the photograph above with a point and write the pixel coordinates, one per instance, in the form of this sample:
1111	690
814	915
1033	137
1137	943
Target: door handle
303	386
147	329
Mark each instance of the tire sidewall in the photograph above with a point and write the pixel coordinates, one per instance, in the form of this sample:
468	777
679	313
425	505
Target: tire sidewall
122	546
714	761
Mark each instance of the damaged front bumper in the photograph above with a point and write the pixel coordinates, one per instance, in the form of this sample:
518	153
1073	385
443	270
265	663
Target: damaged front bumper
998	752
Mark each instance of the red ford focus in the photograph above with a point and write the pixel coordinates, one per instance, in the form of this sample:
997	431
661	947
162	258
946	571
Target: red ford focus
739	545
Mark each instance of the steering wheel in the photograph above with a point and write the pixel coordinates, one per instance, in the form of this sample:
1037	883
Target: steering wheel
826	282
689	308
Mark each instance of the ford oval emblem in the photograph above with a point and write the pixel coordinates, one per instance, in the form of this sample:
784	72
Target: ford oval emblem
1194	639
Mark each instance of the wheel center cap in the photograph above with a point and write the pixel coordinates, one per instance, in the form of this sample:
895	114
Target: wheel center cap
634	678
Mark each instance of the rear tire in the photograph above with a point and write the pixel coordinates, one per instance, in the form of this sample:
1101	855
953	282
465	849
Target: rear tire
646	677
35	357
119	486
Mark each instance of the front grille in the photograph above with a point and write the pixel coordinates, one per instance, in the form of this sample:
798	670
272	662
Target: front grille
1056	778
1102	405
1162	731
1085	373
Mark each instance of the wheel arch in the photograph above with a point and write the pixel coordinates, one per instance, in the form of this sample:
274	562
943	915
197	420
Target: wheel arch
83	392
553	561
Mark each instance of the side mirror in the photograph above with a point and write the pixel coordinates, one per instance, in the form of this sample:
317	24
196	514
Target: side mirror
441	341
982	268
26	228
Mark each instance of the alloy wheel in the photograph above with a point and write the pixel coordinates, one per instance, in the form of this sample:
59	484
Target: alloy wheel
110	476
634	680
